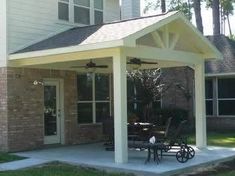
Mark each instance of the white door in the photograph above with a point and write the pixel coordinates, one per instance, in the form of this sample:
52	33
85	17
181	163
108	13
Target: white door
52	112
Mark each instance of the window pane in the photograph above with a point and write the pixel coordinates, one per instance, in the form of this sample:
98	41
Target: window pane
226	107
209	89
81	15
102	87
84	85
63	11
85	3
130	90
102	111
98	17
226	88
85	113
99	4
209	107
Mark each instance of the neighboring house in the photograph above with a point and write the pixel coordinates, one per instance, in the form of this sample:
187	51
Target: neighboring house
49	92
220	86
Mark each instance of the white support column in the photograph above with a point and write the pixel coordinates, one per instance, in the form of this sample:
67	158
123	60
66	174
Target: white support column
120	108
3	33
201	136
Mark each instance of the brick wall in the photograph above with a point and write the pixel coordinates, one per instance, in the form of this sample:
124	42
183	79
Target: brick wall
3	109
25	109
181	82
222	124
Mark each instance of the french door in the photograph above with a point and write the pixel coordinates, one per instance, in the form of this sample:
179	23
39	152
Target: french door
52	112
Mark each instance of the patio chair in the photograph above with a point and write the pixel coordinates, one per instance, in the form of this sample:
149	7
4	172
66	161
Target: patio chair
163	133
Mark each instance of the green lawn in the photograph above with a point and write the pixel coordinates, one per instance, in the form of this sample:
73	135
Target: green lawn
5	157
217	139
58	169
231	173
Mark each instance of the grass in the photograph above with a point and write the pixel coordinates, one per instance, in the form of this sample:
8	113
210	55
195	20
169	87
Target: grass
217	139
231	173
58	169
6	157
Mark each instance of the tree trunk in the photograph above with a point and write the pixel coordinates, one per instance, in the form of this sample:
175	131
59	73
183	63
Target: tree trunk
229	26
198	15
216	16
163	6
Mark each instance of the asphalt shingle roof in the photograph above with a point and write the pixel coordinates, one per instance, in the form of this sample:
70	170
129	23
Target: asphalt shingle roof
227	47
96	33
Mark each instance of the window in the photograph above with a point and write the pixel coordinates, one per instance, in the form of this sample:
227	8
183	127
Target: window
94	100
63	10
81	11
209	96
226	96
98	6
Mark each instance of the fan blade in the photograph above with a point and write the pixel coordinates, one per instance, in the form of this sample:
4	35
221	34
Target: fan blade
101	66
78	67
145	62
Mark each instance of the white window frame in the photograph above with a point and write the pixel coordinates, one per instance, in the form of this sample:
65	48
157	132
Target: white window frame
64	2
94	101
218	99
71	12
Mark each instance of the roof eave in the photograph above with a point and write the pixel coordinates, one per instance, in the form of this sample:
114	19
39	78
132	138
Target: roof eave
69	49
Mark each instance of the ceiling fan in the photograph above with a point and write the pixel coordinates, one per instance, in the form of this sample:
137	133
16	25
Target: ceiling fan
136	61
91	65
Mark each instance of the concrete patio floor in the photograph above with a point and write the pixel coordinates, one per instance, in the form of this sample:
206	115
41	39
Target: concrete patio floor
95	156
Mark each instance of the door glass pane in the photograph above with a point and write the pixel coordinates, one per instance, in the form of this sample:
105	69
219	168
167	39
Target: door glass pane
84	85
98	17
50	115
85	113
63	11
81	15
85	3
102	111
98	4
226	107
102	87
226	87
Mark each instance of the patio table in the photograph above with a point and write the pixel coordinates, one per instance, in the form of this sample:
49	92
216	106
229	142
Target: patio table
153	150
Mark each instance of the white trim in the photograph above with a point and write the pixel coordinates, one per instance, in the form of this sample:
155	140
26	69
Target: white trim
69	49
220	74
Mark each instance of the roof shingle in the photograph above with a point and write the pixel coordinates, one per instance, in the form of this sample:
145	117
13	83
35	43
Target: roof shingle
96	33
227	47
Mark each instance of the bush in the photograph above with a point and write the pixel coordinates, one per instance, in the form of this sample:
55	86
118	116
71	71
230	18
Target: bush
177	115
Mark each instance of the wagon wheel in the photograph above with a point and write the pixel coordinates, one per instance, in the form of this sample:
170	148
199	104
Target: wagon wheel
182	155
191	152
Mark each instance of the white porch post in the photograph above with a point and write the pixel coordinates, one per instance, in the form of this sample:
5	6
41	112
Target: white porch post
120	108
201	136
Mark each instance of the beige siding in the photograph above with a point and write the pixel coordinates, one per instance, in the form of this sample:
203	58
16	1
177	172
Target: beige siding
130	9
112	10
31	20
3	33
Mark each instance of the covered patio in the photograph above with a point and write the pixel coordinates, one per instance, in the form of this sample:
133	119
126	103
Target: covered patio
168	39
94	156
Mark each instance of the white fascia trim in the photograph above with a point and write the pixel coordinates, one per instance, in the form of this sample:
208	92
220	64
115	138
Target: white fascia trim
218	55
220	74
70	49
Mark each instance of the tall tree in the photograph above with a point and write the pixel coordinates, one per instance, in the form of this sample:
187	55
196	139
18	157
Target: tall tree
198	15
215	4
163	6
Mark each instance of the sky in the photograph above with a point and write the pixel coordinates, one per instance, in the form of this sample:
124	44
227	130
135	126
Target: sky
206	16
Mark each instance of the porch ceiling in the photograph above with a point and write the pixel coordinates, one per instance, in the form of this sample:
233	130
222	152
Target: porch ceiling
168	39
